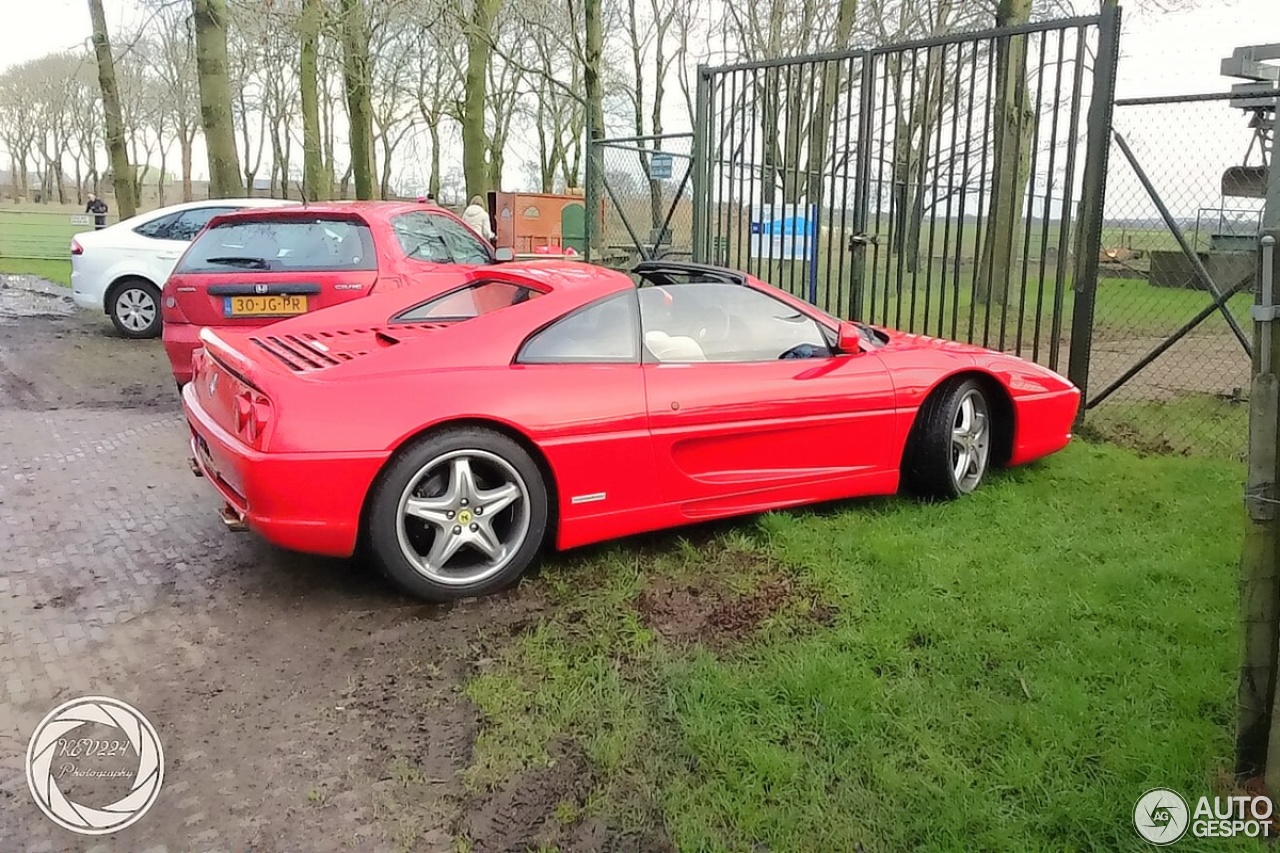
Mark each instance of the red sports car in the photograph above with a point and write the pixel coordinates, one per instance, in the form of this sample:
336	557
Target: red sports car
254	267
454	428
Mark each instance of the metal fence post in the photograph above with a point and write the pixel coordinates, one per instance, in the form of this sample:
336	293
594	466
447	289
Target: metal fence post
592	194
701	156
862	186
1092	198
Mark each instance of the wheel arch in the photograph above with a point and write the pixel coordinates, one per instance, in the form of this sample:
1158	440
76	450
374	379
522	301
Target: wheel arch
119	282
502	428
1002	429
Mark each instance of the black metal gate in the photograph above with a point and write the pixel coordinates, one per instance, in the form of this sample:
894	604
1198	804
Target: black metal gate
951	186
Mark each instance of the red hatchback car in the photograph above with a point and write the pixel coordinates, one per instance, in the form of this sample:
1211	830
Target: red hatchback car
254	267
455	428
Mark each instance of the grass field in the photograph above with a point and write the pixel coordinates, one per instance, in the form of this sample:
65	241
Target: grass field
58	272
1007	672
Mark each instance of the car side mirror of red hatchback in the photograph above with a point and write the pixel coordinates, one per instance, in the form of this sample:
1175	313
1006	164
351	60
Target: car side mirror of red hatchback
849	338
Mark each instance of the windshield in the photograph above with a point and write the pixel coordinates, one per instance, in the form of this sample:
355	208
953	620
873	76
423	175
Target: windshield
439	239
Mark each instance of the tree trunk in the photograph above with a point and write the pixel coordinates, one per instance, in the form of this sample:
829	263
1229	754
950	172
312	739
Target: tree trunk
185	143
125	200
314	186
355	69
1012	122
475	142
433	183
210	18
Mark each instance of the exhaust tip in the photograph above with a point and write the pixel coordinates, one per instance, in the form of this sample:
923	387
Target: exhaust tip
195	467
232	519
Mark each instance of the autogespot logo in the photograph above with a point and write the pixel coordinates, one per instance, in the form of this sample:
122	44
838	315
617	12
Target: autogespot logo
121	764
1160	816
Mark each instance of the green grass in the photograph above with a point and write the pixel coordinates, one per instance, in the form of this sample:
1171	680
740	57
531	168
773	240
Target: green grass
1188	425
37	231
58	272
1006	672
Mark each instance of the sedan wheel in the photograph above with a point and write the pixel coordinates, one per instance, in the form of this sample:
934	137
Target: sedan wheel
949	451
460	513
135	310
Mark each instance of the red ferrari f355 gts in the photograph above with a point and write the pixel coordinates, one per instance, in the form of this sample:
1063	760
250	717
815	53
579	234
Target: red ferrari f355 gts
454	428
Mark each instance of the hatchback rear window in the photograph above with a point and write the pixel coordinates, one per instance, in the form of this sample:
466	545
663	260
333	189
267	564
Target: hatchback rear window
283	245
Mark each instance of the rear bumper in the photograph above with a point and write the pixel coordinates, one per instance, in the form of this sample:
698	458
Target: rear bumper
309	502
1043	423
180	341
87	290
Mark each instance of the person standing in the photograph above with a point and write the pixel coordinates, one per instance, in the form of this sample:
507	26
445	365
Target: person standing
98	208
477	216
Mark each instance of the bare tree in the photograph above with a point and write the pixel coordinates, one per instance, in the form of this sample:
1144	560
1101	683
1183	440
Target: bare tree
358	80
125	199
173	65
316	184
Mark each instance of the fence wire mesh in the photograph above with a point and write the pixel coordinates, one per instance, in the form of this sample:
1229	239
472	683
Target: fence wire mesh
1169	372
645	199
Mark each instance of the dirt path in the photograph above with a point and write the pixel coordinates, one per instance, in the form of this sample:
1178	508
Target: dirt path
302	704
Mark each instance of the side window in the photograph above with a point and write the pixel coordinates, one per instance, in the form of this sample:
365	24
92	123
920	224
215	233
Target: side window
189	222
158	228
605	331
433	237
471	301
716	321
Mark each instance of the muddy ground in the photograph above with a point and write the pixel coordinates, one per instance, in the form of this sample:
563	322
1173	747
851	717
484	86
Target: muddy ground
302	703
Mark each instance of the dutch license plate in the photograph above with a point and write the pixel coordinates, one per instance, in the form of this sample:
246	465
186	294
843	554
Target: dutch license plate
264	306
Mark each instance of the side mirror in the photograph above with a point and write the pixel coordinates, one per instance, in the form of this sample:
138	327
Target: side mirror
849	338
504	254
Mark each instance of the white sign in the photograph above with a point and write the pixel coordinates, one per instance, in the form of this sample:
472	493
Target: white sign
132	755
81	219
660	166
783	232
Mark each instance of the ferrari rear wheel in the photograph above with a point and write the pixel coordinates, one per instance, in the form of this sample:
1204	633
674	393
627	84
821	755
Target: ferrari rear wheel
462	512
950	449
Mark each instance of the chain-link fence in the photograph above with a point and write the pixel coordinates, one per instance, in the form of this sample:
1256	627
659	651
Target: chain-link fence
644	197
1169	368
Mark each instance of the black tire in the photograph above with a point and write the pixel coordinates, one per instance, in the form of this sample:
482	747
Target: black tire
134	308
427	472
935	446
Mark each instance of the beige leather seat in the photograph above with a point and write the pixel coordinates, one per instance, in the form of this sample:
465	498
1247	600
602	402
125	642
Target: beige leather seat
678	348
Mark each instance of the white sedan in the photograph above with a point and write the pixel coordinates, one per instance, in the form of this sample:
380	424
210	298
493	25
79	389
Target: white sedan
120	269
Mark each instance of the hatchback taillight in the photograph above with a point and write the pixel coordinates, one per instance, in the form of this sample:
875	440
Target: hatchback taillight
76	248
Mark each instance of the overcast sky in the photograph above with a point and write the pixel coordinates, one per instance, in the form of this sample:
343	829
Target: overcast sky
1162	53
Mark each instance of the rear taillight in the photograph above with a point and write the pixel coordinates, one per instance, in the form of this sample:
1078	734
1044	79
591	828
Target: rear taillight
76	248
253	415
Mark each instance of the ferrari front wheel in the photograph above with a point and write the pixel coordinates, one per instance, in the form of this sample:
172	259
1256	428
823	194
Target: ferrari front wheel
460	513
950	449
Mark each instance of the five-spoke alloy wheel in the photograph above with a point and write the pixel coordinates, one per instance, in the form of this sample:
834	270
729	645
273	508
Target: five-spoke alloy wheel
459	513
950	448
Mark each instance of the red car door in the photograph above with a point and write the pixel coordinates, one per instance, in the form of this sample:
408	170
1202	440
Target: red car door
749	406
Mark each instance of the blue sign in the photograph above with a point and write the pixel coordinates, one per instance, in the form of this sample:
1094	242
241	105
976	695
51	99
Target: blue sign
784	232
660	166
